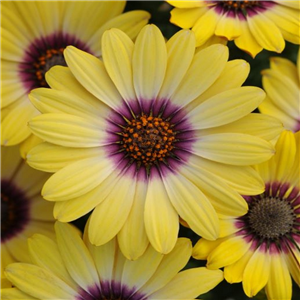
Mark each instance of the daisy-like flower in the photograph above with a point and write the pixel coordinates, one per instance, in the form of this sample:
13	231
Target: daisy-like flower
261	249
150	133
282	85
253	25
23	211
33	37
72	268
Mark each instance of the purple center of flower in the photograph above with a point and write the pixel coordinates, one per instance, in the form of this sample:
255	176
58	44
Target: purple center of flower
271	217
241	8
14	210
110	291
44	53
149	138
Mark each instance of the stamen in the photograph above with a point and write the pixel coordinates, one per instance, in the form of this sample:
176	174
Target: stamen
148	139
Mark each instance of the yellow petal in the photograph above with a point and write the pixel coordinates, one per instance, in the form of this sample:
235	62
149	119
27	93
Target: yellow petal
161	219
149	63
91	74
279	285
180	49
77	179
256	274
132	238
235	149
69	130
192	205
45	254
226	107
228	252
110	215
169	266
76	256
247	41
13	294
46	285
189	284
266	33
204	247
186	18
205	68
229	26
117	50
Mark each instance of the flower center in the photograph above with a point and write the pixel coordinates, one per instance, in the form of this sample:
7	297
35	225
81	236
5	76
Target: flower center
46	61
44	53
14	210
148	140
271	217
239	4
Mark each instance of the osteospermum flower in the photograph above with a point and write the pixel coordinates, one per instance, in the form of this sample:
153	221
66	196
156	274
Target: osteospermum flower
282	85
23	211
261	249
150	133
33	37
253	25
71	268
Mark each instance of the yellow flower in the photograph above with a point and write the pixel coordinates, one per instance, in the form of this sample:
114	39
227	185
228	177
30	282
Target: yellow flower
23	210
33	37
253	25
72	268
152	132
261	249
282	85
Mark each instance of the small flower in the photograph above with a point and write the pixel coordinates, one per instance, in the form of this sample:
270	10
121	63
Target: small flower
253	25
282	85
72	268
34	35
152	132
23	210
261	249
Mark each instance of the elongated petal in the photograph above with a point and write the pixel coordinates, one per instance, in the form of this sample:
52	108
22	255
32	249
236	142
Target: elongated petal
266	33
247	41
284	93
225	200
189	284
192	205
233	76
69	131
117	55
91	74
51	158
46	285
149	63
226	107
204	247
256	274
77	179
235	272
180	49
228	26
132	238
279	285
137	273
186	18
14	129
109	216
76	256
45	254
205	68
234	149
161	219
13	294
169	266
53	101
228	252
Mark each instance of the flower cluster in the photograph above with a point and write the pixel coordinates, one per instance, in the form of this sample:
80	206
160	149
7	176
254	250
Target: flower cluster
149	142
